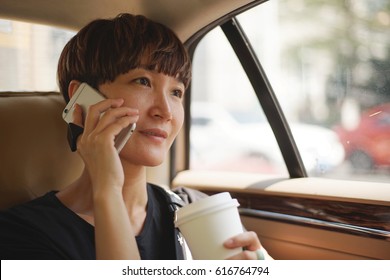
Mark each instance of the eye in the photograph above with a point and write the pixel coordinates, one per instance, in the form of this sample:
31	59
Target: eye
178	93
143	81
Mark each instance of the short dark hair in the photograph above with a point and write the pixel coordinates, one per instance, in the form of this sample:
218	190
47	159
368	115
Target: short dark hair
106	48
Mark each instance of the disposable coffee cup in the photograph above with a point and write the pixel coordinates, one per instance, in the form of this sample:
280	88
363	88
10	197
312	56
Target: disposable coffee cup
206	224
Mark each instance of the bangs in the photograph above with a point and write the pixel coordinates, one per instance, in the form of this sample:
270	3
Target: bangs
150	46
169	61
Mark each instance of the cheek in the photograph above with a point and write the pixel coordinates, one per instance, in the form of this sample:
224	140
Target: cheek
179	117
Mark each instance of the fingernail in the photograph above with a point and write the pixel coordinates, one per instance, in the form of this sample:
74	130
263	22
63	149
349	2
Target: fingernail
229	242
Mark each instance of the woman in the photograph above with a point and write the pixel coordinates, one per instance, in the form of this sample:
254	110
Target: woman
110	211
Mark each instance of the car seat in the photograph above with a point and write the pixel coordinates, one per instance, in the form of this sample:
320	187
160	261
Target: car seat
34	154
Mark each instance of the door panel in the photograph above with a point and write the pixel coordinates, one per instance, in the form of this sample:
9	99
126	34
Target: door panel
294	223
287	241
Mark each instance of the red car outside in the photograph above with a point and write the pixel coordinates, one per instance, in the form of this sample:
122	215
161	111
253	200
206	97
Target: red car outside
368	145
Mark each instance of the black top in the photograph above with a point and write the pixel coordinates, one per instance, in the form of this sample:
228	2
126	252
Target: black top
44	228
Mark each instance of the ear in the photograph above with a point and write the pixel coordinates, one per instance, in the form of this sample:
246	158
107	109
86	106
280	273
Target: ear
73	86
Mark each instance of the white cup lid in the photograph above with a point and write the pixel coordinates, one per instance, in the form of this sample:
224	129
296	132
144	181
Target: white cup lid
204	206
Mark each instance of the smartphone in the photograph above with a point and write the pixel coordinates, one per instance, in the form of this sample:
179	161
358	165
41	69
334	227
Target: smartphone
86	96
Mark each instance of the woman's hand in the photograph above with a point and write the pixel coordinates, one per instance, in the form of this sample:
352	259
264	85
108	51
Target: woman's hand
251	244
103	122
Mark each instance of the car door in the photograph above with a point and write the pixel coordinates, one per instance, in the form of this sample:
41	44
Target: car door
290	75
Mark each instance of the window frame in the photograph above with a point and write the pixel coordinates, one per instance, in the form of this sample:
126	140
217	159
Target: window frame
266	96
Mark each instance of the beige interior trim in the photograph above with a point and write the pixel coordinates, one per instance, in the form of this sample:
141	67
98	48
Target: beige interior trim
359	190
185	17
319	188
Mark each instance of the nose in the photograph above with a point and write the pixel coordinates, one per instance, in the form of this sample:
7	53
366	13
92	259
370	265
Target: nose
161	107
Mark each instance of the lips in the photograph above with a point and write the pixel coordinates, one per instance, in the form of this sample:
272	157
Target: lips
155	132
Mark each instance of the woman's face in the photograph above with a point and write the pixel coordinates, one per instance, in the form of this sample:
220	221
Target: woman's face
158	98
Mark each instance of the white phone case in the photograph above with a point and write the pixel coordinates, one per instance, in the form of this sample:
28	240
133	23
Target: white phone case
86	96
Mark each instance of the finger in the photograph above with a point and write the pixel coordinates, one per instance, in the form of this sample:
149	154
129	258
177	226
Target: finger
107	136
113	115
244	255
77	115
116	127
94	112
247	239
112	123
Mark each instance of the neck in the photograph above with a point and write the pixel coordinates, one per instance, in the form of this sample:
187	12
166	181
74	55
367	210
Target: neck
134	188
78	195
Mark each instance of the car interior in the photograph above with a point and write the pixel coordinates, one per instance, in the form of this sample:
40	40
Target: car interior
296	215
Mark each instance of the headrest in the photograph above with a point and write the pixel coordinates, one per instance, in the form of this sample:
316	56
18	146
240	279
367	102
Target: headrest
34	154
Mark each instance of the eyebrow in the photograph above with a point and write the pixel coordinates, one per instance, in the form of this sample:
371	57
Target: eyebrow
146	68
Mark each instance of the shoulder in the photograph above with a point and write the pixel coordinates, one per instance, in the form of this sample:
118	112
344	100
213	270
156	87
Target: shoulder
41	228
34	208
20	232
35	217
189	195
179	196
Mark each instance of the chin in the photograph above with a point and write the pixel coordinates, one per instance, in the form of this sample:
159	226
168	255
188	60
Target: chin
146	159
154	165
152	162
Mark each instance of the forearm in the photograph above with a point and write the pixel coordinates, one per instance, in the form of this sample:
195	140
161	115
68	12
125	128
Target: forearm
114	236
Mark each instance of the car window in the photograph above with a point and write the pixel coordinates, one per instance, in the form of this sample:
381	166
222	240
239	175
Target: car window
328	64
229	131
29	54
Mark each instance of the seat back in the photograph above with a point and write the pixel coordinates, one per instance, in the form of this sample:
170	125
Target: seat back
34	153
